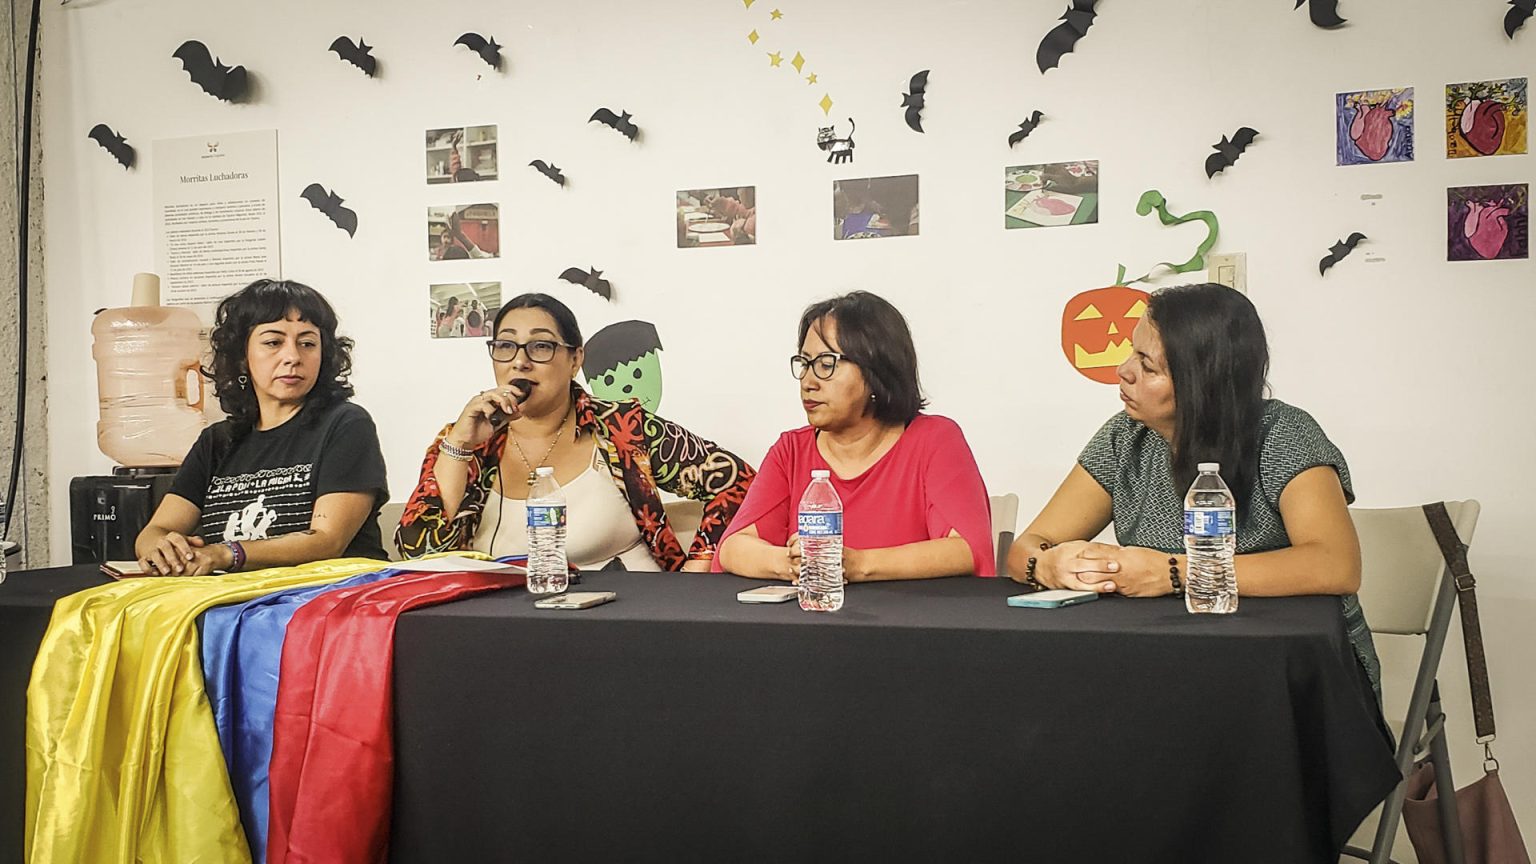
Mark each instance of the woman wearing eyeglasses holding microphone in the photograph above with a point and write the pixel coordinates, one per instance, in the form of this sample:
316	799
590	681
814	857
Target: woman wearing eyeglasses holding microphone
611	459
914	504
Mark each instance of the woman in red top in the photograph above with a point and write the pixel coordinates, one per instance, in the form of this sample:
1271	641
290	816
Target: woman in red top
914	505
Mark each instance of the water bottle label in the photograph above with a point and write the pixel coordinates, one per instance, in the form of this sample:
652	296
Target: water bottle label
546	516
1209	522
821	524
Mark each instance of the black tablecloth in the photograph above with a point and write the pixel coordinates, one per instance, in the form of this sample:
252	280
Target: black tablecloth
926	721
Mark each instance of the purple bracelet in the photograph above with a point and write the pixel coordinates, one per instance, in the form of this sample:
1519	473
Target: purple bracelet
238	552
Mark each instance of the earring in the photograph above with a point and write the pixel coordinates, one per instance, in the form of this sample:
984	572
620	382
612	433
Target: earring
871	397
243	381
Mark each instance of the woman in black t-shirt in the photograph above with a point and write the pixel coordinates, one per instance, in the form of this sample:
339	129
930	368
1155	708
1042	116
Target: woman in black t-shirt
295	474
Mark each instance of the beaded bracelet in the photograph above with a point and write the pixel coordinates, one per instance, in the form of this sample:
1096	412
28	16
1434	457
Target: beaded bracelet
1173	576
1029	570
237	553
457	454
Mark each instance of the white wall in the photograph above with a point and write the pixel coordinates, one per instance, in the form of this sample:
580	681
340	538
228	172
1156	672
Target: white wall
1412	364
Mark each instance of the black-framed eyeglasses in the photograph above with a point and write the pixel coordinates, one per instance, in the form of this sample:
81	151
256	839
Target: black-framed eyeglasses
539	350
823	365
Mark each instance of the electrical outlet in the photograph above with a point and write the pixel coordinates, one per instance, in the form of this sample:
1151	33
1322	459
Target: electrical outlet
1229	269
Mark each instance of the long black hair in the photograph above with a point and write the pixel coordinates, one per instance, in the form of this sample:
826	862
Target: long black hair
873	334
262	302
1218	359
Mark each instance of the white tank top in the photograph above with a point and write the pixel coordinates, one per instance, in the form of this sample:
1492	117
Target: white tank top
599	524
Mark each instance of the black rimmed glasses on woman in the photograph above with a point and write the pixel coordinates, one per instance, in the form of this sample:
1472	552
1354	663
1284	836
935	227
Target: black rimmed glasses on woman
823	365
539	350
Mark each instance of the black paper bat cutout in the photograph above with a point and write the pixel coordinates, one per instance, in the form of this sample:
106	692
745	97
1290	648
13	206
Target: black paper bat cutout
1228	151
329	203
590	281
356	53
207	72
113	143
1519	13
488	50
913	101
550	171
1324	13
1062	39
619	122
1025	128
1338	251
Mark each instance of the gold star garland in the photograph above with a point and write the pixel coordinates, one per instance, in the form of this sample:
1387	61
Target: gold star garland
798	62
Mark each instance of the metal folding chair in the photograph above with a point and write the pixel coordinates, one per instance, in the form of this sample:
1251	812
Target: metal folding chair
1407	590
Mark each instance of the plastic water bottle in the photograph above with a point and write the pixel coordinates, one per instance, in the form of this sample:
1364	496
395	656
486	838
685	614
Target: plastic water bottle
1210	541
821	545
547	572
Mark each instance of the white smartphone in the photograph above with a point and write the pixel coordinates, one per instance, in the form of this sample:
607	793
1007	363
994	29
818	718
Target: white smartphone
769	594
1052	599
575	600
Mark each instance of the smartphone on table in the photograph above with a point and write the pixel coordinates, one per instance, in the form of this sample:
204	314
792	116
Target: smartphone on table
575	600
1053	599
769	594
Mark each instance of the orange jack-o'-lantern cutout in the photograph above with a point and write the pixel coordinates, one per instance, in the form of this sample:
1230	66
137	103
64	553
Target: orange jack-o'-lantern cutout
1096	329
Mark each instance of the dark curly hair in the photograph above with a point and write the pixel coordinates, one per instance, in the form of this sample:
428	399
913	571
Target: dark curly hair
261	302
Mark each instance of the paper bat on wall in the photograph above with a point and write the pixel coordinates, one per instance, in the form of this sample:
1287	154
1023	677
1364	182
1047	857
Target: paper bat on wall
618	122
488	50
1228	151
113	143
1338	251
1519	13
356	53
550	171
216	79
591	281
1062	39
1025	128
329	203
1324	13
914	100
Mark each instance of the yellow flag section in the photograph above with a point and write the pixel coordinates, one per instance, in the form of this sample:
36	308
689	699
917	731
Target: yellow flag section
123	760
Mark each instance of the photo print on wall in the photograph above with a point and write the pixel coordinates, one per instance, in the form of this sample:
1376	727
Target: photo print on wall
717	217
463	231
1052	194
874	207
462	310
461	154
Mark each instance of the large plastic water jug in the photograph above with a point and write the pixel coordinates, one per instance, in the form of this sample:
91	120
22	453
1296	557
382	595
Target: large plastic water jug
147	378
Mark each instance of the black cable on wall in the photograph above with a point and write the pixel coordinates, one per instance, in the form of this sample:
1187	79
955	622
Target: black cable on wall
23	220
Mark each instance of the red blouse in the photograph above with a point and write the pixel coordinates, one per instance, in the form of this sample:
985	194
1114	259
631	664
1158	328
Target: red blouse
924	487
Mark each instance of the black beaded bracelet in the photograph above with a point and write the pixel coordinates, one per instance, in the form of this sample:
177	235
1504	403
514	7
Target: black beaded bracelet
1173	576
1029	570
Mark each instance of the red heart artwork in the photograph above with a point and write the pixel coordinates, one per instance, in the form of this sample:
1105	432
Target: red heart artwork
1482	124
1371	130
1486	227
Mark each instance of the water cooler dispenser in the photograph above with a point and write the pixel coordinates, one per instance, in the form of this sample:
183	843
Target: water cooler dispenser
151	399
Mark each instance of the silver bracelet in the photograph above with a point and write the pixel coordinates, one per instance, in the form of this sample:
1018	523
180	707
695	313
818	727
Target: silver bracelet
458	454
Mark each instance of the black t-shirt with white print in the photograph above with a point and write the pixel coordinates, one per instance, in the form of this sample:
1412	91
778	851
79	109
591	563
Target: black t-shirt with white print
267	485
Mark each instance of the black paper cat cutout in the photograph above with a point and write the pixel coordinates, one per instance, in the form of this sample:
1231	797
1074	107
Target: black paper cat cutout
839	150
